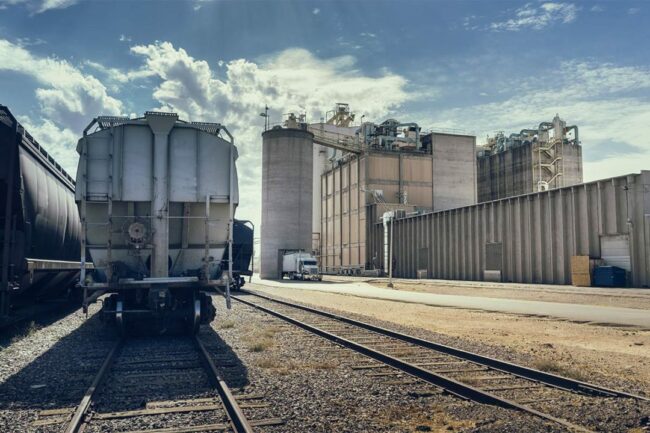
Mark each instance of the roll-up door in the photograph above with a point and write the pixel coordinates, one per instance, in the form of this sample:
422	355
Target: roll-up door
615	250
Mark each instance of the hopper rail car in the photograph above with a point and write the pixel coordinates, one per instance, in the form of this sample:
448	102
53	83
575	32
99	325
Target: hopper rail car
39	224
156	198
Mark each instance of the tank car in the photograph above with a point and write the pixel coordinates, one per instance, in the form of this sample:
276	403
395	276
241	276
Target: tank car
40	228
156	197
242	251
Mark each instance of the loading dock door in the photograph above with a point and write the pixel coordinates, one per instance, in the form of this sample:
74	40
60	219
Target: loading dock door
615	250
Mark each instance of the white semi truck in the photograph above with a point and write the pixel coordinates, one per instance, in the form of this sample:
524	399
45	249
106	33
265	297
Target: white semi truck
300	266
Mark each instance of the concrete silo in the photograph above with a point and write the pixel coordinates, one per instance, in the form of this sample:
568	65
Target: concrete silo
287	190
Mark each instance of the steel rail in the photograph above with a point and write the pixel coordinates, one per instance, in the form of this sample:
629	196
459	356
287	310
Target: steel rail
82	410
448	384
236	415
237	418
528	373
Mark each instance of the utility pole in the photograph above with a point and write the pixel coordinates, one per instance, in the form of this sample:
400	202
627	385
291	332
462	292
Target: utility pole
265	115
390	253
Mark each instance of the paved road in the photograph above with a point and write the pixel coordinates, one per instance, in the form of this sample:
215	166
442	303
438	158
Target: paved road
575	312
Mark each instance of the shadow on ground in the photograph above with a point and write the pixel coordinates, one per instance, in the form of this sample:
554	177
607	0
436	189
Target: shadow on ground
59	377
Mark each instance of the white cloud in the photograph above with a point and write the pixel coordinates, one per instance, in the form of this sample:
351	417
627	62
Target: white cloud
537	17
115	76
28	42
125	38
4	4
39	6
292	80
47	5
59	142
368	35
316	11
198	4
633	11
609	104
68	98
597	8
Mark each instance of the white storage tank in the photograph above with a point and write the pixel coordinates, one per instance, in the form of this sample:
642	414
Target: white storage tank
287	190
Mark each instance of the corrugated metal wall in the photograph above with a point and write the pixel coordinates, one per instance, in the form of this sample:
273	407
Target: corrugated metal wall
530	238
509	173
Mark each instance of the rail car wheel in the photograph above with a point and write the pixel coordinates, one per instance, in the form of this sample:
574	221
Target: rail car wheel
196	316
119	317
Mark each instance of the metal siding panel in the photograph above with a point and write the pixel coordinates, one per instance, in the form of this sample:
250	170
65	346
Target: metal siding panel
137	165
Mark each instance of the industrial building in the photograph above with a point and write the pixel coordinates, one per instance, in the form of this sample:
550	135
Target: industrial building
287	195
547	157
329	173
529	238
333	187
437	174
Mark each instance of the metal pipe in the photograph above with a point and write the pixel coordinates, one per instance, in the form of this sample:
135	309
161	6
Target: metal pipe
161	124
385	219
390	269
545	126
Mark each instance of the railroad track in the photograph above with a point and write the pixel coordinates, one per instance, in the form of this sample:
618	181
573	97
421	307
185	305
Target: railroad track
467	375
137	370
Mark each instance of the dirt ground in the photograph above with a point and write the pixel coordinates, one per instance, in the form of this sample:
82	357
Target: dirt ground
626	298
611	356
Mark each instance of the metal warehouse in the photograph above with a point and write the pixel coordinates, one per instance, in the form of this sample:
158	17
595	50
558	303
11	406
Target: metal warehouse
529	238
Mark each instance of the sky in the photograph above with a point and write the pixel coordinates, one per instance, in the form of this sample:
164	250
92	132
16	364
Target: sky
474	66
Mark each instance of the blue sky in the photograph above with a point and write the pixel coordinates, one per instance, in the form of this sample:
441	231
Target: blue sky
472	65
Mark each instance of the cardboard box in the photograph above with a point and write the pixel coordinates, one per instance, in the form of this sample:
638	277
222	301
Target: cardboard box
582	270
581	280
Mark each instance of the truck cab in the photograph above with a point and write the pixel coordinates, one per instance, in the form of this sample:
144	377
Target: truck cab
300	266
308	268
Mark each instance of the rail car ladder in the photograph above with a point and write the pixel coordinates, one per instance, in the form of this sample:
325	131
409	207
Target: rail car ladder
102	197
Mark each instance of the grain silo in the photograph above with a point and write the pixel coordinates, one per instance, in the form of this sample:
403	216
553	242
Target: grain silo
287	189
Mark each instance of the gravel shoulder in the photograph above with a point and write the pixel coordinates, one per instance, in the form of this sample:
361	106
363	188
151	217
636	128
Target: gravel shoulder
49	367
311	384
610	356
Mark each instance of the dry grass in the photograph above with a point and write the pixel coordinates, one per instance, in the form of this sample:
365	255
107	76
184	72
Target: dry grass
270	362
259	344
469	380
411	418
227	324
551	366
269	332
259	340
278	365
